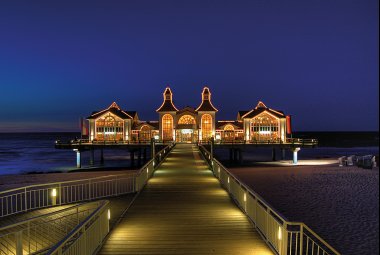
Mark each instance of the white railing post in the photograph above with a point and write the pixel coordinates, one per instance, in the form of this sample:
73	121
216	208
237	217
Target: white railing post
301	239
26	200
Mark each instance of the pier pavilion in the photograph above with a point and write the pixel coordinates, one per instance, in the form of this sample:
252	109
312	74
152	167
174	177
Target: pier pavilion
190	125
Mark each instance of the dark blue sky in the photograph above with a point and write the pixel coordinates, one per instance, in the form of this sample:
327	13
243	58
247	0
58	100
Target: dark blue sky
316	60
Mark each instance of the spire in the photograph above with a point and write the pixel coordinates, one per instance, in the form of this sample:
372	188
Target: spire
206	104
167	105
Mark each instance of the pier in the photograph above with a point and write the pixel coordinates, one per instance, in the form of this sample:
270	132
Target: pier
184	202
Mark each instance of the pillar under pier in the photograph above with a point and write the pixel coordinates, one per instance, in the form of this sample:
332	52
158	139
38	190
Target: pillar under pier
79	161
295	155
132	158
92	156
273	154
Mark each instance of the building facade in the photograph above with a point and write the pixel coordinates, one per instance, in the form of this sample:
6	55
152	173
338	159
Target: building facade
189	125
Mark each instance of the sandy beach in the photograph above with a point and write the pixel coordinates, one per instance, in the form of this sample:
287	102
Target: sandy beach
340	203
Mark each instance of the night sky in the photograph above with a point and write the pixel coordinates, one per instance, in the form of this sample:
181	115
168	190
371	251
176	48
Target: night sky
316	60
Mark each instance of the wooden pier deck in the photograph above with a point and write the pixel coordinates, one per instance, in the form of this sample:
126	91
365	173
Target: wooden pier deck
183	210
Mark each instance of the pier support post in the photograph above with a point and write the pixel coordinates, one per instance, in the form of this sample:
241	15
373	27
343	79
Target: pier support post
139	157
101	156
273	154
231	155
282	154
234	155
240	156
144	155
152	148
132	157
295	156
79	163
92	156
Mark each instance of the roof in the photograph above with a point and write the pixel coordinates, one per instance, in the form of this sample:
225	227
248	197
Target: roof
114	109
167	105
187	109
260	108
235	123
241	113
152	124
206	105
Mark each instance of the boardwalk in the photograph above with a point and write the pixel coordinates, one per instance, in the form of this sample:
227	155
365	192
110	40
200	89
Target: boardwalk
183	210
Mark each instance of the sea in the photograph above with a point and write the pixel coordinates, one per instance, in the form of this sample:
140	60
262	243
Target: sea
35	152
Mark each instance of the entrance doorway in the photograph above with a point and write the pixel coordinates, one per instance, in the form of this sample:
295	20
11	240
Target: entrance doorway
186	135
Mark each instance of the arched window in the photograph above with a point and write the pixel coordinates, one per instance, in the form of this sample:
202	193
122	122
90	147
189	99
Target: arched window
145	133
167	127
229	128
186	119
206	126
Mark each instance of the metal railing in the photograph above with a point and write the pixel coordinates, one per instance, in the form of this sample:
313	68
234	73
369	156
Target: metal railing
284	237
59	193
38	234
87	236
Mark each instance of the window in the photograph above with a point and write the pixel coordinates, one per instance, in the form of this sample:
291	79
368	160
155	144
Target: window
186	119
265	127
167	127
206	126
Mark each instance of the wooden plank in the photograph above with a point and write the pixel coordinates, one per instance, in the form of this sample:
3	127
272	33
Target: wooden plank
183	210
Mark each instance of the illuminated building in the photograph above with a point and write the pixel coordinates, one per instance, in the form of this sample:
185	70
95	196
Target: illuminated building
260	124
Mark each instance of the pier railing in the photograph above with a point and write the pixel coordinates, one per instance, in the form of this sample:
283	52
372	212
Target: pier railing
60	193
283	236
37	235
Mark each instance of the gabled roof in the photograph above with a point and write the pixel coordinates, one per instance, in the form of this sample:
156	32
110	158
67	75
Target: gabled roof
206	105
114	109
235	123
240	114
187	109
260	108
167	105
152	124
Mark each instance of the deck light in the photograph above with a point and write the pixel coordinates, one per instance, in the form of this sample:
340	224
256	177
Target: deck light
54	192
279	233
245	197
228	179
109	214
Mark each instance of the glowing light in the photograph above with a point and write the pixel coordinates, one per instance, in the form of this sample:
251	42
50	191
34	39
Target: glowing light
218	169
245	197
147	170
264	132
279	235
228	179
109	214
54	192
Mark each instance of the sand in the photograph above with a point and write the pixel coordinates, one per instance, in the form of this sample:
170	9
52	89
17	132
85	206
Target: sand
20	180
341	204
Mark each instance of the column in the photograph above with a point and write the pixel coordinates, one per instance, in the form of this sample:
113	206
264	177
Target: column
282	154
78	158
132	158
295	152
273	154
92	156
101	156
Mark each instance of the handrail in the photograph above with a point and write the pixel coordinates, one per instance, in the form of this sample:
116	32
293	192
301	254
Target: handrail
76	234
267	220
37	196
39	233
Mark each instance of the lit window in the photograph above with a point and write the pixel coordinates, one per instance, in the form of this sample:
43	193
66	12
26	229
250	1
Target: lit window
206	126
167	127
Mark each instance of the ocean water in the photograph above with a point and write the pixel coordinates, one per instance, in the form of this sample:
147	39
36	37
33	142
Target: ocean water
35	152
